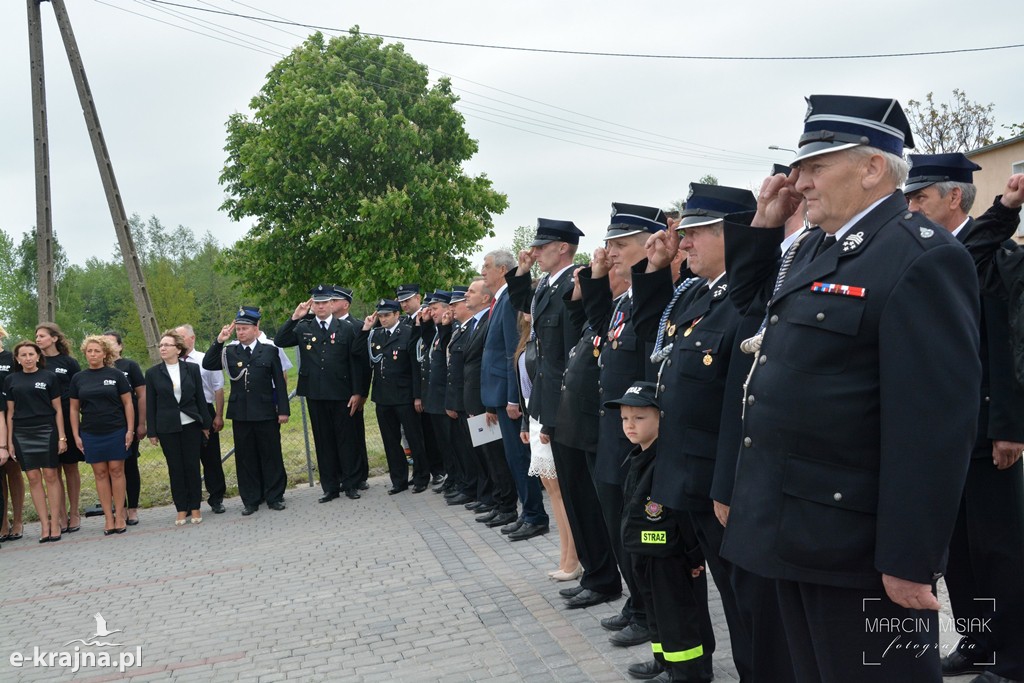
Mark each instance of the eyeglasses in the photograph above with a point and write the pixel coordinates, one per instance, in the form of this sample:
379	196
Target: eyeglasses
168	346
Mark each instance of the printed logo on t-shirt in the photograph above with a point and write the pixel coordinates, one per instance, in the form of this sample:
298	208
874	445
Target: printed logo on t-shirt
110	382
40	385
61	371
5	368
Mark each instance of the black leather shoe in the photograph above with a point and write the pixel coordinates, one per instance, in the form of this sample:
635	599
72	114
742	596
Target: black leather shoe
957	664
645	670
589	598
249	509
460	499
363	485
394	489
218	509
479	507
352	494
513	526
419	489
328	497
503	519
277	505
528	530
438	479
483	519
571	592
616	623
634	634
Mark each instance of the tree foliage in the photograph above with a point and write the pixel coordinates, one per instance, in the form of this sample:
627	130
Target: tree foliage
957	126
184	285
351	165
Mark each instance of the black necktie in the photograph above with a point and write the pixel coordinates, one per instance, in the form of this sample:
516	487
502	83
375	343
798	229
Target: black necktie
825	244
323	326
248	353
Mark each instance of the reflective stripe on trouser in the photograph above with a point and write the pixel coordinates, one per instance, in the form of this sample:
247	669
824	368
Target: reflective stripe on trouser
681	656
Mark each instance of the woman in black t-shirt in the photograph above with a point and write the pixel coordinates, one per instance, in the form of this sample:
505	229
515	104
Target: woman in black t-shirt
131	370
57	351
101	412
35	432
10	474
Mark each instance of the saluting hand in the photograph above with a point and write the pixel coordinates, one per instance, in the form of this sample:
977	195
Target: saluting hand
225	332
661	248
526	261
1013	195
577	292
368	322
446	318
777	200
599	264
303	309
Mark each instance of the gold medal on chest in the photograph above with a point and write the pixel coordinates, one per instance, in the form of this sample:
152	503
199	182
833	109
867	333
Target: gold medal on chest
597	352
708	360
615	344
239	363
688	331
671	330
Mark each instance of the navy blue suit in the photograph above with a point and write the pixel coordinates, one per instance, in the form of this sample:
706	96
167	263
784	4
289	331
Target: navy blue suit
498	388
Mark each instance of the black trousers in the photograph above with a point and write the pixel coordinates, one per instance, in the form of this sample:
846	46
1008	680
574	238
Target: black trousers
495	469
392	420
258	461
682	638
475	485
855	635
583	509
132	478
755	626
337	458
181	450
986	562
441	428
213	466
359	437
431	448
609	496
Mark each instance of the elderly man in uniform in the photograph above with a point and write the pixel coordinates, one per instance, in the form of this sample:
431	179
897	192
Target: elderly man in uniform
986	554
257	408
861	405
340	304
331	367
396	394
213	391
475	494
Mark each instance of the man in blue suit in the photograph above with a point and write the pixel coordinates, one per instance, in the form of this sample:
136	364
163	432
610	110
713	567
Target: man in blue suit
499	391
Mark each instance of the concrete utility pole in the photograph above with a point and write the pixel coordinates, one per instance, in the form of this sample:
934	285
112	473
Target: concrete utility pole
44	225
117	213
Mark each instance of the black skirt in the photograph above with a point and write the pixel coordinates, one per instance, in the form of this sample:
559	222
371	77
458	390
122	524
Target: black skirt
35	446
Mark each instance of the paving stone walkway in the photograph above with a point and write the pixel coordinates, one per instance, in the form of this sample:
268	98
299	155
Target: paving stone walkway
385	588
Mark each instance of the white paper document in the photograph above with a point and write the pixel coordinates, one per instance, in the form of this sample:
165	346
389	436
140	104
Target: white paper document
481	432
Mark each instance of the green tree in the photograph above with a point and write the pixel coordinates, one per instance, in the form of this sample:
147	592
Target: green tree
959	126
351	165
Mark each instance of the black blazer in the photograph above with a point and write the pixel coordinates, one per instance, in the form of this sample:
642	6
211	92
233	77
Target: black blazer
332	366
163	410
472	367
556	334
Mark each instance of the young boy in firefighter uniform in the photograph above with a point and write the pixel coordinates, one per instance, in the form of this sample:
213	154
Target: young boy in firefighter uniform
666	558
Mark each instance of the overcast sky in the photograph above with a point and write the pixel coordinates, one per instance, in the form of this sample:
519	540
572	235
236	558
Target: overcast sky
617	129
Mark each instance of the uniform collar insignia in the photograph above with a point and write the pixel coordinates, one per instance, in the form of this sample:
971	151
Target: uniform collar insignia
852	241
926	232
720	291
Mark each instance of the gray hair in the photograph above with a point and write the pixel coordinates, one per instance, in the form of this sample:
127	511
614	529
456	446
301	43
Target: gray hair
967	193
484	289
187	328
502	258
896	167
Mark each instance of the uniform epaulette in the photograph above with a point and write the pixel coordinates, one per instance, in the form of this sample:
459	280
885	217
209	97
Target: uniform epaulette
924	232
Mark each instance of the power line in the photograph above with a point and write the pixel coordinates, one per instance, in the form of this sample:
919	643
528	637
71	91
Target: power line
588	53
